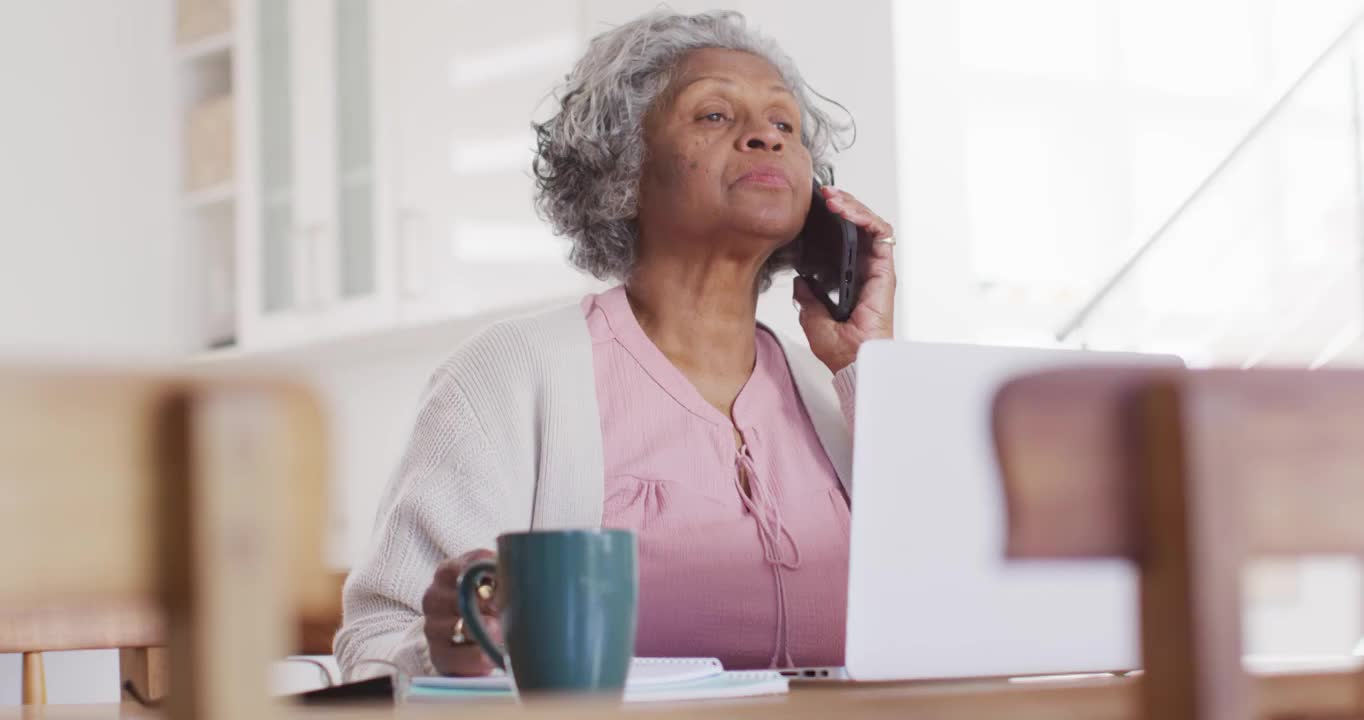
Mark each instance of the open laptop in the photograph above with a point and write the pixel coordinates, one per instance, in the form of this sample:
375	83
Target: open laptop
930	592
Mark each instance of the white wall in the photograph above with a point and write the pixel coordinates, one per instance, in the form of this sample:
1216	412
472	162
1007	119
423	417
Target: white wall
88	258
1049	138
89	266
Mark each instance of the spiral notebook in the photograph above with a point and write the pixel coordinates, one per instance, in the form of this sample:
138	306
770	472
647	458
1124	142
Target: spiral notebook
651	680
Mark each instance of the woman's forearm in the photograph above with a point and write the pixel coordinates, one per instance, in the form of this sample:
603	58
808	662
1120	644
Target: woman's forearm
445	499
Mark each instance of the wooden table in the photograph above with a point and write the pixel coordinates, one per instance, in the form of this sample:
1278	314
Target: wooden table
1090	699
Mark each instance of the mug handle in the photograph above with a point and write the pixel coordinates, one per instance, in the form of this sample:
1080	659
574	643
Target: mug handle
468	609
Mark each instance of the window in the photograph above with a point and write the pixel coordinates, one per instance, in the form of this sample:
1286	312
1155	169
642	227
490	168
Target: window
1085	123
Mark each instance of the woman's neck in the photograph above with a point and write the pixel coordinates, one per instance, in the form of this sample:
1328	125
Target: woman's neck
701	316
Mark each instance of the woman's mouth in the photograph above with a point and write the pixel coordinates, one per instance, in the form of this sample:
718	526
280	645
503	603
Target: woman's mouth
766	175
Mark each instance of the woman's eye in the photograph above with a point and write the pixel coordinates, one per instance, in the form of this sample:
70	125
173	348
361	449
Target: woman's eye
785	127
714	117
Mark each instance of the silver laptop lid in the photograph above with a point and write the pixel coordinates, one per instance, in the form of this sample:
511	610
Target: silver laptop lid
930	593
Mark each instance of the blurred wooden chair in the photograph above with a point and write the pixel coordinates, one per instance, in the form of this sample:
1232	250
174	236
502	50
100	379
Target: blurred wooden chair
133	628
318	626
164	507
1187	474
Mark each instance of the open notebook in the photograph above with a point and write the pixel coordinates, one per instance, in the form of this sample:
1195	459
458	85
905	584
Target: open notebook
651	680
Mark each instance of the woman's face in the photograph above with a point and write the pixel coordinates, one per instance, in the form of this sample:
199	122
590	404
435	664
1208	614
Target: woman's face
724	155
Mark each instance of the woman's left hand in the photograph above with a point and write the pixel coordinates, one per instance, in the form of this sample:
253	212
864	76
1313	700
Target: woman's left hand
873	317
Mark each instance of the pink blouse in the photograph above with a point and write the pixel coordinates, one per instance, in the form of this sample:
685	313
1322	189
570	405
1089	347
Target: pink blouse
757	579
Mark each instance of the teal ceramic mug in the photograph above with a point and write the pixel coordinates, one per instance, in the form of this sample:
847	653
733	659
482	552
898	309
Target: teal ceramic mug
568	602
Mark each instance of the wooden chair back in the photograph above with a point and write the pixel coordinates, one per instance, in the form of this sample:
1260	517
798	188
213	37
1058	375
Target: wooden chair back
32	631
1188	474
199	498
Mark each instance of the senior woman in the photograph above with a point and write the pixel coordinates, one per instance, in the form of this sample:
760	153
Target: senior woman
680	163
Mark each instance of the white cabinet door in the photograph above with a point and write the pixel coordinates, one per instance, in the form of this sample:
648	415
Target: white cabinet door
312	246
313	132
470	77
279	230
358	259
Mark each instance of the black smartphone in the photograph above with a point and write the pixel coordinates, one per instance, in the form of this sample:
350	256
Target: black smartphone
826	256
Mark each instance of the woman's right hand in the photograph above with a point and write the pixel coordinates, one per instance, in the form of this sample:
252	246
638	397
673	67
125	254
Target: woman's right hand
440	608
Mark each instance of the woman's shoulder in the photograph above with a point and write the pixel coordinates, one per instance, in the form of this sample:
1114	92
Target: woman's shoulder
536	351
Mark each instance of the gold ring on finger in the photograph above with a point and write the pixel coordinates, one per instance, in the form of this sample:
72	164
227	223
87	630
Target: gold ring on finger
458	637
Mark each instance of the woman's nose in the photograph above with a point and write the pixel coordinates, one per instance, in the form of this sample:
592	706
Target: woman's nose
761	137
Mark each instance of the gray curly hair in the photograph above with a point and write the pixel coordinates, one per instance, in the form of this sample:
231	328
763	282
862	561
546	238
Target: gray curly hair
589	155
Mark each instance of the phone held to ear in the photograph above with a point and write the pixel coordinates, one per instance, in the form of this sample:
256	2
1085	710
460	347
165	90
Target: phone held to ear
827	255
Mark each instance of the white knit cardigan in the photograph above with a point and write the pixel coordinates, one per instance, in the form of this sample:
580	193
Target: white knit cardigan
507	438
